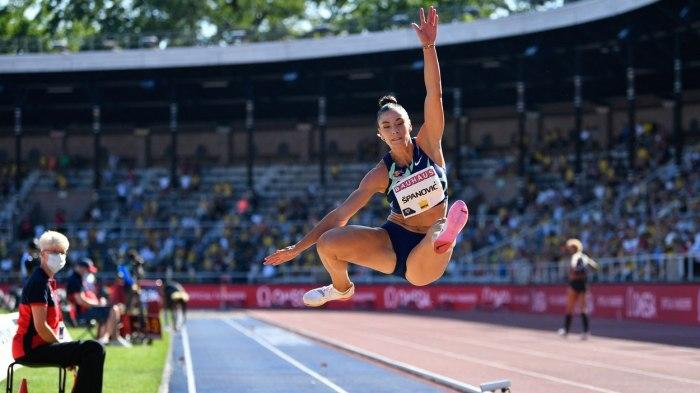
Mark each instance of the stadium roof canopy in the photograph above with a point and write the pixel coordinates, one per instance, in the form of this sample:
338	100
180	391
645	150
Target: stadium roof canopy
485	58
305	49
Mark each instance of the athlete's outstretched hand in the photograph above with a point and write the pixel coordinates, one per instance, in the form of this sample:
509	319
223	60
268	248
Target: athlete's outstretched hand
281	256
427	28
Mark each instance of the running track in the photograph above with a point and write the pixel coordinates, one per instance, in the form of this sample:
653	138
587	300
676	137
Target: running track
475	347
235	353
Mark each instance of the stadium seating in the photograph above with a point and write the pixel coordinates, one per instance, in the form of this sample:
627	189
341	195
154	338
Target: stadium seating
205	223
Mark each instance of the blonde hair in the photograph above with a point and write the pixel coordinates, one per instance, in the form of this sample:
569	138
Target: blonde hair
575	243
53	238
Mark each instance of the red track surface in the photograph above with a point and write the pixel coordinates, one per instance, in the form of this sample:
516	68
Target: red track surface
480	346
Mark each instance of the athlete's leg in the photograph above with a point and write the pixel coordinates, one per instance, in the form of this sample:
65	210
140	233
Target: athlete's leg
424	265
428	260
364	246
571	298
583	301
584	311
570	302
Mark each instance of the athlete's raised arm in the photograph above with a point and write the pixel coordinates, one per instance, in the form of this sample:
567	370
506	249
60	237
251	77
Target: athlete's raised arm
430	134
590	262
375	181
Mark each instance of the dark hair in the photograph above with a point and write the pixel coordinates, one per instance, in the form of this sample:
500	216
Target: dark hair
388	102
388	99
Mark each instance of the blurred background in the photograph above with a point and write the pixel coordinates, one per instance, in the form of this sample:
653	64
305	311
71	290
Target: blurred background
204	135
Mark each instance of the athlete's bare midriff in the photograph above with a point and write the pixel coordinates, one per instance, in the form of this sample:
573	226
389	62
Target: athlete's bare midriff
421	222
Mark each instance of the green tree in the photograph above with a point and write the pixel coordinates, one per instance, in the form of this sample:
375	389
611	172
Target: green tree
259	19
30	25
354	16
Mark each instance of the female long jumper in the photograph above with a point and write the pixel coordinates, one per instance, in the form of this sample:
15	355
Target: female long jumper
416	241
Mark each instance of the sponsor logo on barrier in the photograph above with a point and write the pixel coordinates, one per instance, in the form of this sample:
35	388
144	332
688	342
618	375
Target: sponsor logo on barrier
641	304
676	303
663	303
458	298
207	296
279	297
539	301
202	295
235	296
590	303
522	299
557	300
610	301
364	297
495	297
399	297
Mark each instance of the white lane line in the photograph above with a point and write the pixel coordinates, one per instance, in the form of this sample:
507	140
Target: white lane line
168	368
492	364
628	352
191	387
485	362
591	363
422	373
592	347
285	357
479	361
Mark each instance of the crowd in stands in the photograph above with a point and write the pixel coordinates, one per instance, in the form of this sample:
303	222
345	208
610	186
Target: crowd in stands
189	225
7	179
652	211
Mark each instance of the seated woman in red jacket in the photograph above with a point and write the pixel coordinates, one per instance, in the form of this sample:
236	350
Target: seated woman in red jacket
40	328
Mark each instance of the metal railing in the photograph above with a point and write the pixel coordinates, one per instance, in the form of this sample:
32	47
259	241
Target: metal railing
666	268
12	209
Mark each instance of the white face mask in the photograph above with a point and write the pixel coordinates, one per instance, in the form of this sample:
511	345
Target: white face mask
56	262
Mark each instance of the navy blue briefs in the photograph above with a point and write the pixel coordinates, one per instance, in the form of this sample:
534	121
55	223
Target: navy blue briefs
403	241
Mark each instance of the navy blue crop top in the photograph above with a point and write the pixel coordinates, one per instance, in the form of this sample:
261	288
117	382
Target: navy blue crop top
396	173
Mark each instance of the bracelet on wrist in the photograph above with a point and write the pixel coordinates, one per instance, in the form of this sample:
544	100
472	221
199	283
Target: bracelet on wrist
428	46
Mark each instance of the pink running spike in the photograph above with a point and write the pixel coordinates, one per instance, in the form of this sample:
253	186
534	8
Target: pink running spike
456	220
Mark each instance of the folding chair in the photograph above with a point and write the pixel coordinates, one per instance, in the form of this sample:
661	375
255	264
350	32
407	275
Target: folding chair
62	375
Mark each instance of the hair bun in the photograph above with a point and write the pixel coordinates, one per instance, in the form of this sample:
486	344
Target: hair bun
388	99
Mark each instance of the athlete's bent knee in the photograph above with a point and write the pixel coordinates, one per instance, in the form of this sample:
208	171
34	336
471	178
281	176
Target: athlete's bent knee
325	242
418	282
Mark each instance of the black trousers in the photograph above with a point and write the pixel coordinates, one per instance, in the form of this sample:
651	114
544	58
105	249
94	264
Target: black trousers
88	355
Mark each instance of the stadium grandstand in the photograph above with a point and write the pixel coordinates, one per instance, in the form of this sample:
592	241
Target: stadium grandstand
206	158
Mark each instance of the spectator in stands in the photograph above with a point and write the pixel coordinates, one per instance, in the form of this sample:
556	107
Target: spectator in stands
87	305
29	260
5	260
577	268
40	328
